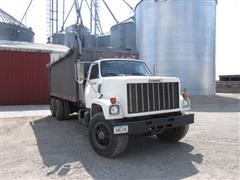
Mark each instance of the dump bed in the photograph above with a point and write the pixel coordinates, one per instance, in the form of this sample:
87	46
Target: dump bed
62	77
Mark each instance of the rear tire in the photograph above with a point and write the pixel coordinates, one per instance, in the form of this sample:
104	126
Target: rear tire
174	134
53	106
59	110
102	139
66	107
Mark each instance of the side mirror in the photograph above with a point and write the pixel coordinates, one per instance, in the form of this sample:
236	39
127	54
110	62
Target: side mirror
79	73
81	79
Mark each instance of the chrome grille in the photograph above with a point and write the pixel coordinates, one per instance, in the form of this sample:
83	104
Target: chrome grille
145	97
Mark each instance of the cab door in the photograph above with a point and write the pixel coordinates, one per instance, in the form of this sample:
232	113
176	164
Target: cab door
91	89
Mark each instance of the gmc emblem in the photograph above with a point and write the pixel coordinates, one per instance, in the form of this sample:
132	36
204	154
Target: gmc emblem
155	80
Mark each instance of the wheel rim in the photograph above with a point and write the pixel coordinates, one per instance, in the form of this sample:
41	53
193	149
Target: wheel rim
102	135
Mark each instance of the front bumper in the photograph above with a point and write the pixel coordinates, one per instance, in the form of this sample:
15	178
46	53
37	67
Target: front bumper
155	125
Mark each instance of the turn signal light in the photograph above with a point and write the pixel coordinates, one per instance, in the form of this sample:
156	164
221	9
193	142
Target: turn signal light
185	93
113	100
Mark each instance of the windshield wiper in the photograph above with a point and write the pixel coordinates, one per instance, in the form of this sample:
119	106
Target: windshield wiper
115	74
138	74
109	74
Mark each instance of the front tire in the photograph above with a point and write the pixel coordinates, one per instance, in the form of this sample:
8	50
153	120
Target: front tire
102	139
174	134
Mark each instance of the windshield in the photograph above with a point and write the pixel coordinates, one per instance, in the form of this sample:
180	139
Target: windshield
124	68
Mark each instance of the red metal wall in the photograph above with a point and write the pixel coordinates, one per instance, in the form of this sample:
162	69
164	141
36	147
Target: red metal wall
23	78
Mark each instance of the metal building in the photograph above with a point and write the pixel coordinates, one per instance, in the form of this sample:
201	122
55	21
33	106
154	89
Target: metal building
177	38
24	72
13	30
123	36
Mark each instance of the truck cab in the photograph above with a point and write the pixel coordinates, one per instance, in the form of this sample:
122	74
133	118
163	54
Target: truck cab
117	98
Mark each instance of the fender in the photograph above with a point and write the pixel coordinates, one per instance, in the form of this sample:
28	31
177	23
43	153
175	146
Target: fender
105	104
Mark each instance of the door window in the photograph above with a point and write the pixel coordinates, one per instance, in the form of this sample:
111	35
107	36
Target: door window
94	72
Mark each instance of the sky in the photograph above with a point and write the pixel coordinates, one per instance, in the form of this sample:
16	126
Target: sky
227	25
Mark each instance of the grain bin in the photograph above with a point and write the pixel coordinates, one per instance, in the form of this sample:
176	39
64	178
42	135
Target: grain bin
13	30
89	41
104	41
177	38
123	36
58	38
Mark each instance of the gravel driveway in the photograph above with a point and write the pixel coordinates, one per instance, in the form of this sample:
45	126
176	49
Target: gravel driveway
44	148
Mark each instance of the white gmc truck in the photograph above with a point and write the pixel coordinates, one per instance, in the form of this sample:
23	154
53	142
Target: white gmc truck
116	98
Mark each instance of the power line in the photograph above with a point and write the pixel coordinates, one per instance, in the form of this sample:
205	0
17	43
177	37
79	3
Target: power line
69	12
110	11
128	5
26	11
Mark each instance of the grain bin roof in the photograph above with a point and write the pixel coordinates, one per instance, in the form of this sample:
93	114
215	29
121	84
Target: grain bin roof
31	47
7	18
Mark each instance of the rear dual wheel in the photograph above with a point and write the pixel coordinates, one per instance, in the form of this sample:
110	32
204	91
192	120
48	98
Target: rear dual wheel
59	109
53	106
66	108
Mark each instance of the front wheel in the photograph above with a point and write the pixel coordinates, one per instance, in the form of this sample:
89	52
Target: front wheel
174	134
102	139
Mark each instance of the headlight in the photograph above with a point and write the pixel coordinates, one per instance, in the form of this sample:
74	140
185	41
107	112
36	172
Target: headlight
114	109
186	103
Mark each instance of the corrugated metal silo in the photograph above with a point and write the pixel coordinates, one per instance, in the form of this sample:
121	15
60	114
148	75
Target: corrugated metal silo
104	41
177	38
58	38
89	41
13	30
80	29
71	39
123	36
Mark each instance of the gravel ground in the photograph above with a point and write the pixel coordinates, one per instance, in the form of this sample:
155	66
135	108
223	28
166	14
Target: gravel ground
44	148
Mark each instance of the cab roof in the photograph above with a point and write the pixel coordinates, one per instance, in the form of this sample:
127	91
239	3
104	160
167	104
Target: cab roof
118	59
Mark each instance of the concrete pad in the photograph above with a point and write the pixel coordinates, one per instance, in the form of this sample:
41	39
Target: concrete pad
24	111
45	148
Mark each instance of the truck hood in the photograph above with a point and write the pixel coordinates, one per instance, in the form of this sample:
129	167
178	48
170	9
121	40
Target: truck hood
141	79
